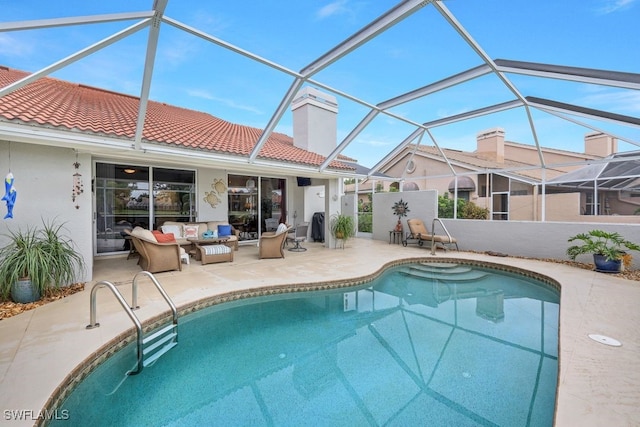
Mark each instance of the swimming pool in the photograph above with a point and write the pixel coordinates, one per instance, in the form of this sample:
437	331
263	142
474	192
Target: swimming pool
438	344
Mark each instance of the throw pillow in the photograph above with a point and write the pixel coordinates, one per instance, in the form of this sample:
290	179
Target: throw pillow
224	230
191	231
176	230
281	228
164	237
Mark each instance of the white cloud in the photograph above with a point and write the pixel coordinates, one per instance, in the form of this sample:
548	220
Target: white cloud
199	93
626	101
11	46
209	22
611	6
334	8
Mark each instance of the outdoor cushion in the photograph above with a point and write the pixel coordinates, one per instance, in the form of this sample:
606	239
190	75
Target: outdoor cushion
176	230
224	230
216	249
281	228
164	237
144	234
191	231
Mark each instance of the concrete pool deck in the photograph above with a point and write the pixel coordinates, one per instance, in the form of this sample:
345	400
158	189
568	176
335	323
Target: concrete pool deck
598	384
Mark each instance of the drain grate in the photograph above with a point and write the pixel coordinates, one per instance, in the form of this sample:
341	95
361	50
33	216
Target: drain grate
605	340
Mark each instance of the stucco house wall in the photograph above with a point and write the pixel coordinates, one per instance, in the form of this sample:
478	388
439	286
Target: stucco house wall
43	180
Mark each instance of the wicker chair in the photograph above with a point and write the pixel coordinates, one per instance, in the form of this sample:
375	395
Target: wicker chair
155	257
271	244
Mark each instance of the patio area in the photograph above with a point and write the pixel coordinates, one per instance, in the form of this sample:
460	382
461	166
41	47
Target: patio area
598	384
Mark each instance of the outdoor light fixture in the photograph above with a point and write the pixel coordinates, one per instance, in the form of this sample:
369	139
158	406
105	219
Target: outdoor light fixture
129	171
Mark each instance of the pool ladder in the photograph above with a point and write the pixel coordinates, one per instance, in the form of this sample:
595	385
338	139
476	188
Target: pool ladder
153	346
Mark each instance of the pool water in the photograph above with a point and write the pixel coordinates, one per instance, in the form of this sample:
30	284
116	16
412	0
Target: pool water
423	344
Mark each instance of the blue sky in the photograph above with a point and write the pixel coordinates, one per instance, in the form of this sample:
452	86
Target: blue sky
420	50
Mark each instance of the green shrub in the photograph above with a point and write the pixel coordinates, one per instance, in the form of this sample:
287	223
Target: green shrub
365	222
466	210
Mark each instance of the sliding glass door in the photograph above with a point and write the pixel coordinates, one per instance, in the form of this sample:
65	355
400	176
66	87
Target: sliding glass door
129	196
255	204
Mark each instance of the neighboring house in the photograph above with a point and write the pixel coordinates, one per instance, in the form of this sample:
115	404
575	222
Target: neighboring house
502	176
73	152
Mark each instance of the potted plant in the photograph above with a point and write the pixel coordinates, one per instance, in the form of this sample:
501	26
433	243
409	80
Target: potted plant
609	249
342	227
37	260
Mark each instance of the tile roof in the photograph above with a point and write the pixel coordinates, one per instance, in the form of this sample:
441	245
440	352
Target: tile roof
478	162
60	104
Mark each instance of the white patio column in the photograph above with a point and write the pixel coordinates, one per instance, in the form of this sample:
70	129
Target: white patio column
332	206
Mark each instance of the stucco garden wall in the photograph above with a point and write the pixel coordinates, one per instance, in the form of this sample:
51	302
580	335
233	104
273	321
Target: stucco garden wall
421	204
519	238
531	239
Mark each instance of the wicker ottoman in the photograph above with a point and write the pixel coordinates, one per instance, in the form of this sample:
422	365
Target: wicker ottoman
210	254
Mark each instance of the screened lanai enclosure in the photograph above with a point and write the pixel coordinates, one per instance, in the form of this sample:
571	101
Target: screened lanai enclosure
611	187
490	102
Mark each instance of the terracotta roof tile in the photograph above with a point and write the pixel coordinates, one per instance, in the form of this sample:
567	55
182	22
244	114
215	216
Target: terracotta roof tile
56	103
477	161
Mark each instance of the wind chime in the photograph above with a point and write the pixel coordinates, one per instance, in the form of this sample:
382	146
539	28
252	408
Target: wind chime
78	186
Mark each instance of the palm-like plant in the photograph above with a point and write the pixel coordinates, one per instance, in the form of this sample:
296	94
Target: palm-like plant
42	256
65	261
598	242
342	226
23	257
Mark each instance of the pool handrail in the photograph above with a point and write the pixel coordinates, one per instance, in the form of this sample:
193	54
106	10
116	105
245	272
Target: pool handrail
433	235
92	315
140	341
134	294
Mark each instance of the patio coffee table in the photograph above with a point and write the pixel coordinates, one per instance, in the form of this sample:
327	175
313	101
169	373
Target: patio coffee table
203	242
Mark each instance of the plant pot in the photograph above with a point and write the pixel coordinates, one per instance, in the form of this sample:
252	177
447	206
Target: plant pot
23	291
606	266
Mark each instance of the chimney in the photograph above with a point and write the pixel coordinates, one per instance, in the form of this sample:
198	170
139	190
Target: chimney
491	144
315	121
600	144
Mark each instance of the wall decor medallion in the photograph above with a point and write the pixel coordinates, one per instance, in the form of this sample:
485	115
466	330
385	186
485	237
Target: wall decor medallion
219	186
214	197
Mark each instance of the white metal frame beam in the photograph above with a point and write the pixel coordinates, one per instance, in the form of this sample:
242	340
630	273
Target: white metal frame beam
152	46
457	79
381	24
78	20
155	17
75	57
590	113
576	74
398	13
487	59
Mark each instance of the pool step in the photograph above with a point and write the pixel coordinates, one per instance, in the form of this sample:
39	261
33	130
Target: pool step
160	342
453	273
442	268
151	360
